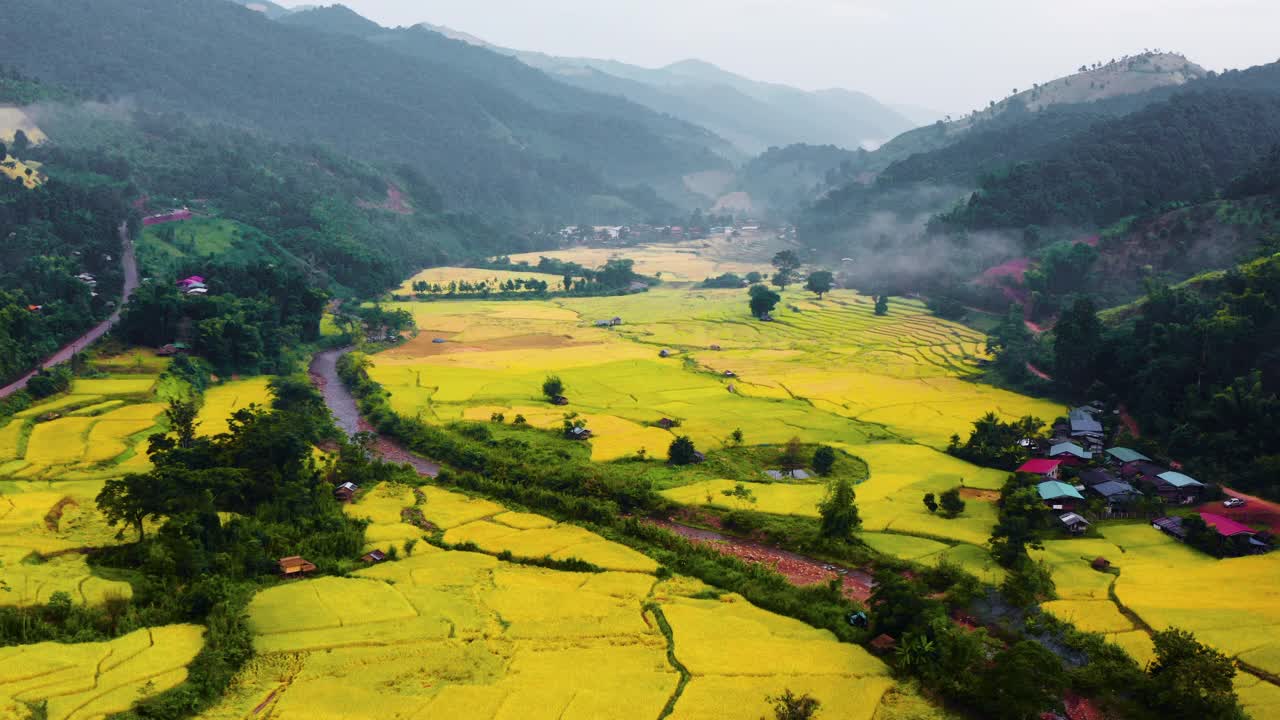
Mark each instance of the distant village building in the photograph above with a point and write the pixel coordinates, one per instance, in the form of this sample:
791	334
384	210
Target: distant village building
178	215
295	566
1085	427
373	558
346	492
579	433
1117	493
666	423
559	400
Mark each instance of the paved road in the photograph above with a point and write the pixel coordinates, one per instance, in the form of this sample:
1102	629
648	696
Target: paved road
130	263
346	412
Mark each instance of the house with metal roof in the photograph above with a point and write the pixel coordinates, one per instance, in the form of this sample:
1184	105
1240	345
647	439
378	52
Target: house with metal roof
1083	423
1116	492
1042	466
1074	523
1089	478
1175	487
1070	453
1059	495
1125	455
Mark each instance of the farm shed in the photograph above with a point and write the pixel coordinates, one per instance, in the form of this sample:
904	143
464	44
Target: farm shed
1042	466
1070	453
1125	455
1075	524
787	474
1171	526
579	433
559	400
883	644
295	566
664	352
666	423
1059	495
373	558
346	491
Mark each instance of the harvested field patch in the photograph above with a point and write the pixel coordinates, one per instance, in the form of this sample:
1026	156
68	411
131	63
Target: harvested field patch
118	385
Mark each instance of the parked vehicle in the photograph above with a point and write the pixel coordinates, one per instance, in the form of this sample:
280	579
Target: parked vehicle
1234	502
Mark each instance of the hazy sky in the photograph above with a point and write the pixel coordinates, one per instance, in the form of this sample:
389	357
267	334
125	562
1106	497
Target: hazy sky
950	55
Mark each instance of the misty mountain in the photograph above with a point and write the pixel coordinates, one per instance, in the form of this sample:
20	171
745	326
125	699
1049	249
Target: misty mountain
485	147
266	7
753	115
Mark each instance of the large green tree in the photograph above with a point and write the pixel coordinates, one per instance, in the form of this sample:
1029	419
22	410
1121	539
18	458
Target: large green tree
839	510
1077	344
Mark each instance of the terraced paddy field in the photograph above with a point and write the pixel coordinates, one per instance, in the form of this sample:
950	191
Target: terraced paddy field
1233	604
88	681
906	378
462	634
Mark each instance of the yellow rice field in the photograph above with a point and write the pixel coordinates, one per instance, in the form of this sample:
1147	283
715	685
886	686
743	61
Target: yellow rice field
453	634
493	278
92	680
222	400
13	119
115	385
695	260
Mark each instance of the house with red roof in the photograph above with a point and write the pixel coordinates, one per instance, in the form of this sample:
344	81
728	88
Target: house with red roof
1226	527
1042	466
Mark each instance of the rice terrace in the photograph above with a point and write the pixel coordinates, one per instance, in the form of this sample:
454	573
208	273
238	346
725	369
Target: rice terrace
359	369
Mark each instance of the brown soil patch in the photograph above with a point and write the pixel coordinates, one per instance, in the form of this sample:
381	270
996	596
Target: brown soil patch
980	495
54	516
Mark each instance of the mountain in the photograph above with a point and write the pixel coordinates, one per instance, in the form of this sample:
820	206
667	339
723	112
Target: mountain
485	147
266	7
753	115
1117	80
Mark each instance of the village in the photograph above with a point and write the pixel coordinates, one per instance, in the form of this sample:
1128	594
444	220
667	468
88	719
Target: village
1084	482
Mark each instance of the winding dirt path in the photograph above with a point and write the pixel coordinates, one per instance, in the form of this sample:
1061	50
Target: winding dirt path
130	264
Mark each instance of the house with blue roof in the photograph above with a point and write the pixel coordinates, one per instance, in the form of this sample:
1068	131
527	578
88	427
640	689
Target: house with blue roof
1176	487
1123	455
1070	453
1059	495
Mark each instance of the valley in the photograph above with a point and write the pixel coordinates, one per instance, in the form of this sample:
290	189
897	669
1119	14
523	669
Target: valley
416	366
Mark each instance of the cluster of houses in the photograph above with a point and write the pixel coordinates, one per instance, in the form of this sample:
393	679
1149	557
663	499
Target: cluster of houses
89	280
193	285
1120	481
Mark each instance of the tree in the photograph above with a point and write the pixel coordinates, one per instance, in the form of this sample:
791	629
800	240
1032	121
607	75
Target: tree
930	502
754	277
951	503
553	387
839	510
741	493
736	437
824	459
882	305
682	451
1190	680
763	300
787	263
792	457
789	706
1021	683
820	283
1022	515
1077	342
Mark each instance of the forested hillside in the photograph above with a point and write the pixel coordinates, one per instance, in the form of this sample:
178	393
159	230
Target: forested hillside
1184	150
484	147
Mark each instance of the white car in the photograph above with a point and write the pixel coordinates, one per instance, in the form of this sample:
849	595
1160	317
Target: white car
1234	502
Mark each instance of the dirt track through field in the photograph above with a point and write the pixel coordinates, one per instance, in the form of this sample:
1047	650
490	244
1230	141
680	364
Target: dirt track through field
346	412
130	264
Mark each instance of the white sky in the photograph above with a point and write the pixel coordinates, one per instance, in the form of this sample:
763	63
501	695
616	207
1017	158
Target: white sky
950	55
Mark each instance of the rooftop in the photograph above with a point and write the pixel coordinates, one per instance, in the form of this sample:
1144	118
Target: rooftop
1226	527
1053	490
1039	466
1125	455
1070	448
1179	480
1083	422
1113	488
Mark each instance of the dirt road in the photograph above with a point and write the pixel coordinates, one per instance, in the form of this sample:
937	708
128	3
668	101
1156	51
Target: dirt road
130	264
346	412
